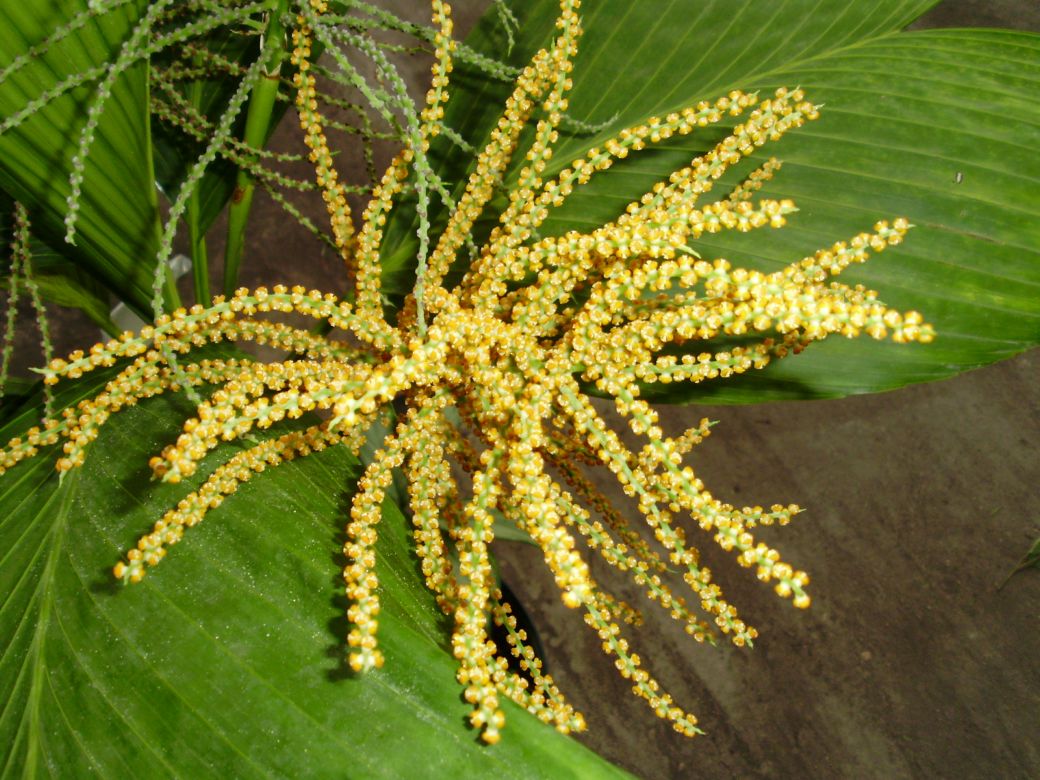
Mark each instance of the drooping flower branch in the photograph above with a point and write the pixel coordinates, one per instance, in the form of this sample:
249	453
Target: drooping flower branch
506	352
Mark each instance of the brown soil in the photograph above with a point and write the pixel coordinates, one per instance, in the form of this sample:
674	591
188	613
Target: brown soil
911	662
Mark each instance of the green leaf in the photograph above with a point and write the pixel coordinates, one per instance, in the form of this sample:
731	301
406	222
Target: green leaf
951	145
1031	560
940	127
59	279
65	283
118	227
65	289
16	392
228	659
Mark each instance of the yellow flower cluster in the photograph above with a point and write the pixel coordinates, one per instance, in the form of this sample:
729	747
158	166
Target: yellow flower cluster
490	374
313	123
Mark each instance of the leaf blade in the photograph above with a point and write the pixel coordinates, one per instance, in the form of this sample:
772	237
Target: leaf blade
118	228
969	184
227	658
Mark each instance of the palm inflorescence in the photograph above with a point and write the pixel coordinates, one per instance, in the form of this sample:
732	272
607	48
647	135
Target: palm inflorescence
486	380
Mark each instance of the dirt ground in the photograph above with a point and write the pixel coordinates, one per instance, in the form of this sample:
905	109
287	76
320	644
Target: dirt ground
910	663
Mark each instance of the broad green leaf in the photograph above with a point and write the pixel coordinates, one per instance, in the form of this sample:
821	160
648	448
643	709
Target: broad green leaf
228	660
16	392
65	289
117	231
63	282
59	280
940	127
635	60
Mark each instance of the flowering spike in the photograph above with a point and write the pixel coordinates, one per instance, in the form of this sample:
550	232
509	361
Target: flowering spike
488	372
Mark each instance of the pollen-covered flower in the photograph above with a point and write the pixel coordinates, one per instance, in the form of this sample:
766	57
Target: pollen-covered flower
492	373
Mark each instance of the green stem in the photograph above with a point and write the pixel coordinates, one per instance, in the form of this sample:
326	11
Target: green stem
199	255
171	298
258	124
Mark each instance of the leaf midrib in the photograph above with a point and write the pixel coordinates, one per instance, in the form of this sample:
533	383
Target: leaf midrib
433	717
55	540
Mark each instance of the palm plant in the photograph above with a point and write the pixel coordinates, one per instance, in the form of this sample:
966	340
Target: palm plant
484	311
